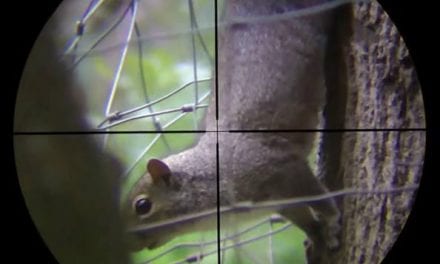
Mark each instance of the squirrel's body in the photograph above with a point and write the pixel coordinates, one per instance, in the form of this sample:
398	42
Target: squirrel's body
271	77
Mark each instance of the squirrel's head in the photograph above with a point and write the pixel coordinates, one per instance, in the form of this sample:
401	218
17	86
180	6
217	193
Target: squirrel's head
163	203
152	200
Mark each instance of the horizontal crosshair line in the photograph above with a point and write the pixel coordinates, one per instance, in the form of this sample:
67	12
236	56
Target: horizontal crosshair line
329	130
36	133
107	132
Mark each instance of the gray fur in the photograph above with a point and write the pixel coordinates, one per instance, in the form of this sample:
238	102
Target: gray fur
271	76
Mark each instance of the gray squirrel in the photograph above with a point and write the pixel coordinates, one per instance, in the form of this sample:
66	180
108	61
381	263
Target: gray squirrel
270	77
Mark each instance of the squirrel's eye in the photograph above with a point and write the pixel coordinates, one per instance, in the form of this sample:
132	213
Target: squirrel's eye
142	205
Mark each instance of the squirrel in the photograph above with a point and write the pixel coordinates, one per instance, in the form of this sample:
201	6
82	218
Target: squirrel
270	77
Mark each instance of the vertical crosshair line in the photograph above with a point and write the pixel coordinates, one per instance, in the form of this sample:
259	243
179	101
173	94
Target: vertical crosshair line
217	165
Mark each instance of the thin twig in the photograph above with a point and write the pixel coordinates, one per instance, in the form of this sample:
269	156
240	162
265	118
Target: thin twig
238	244
139	158
73	43
156	122
183	109
121	114
89	51
121	61
255	19
194	57
247	207
117	74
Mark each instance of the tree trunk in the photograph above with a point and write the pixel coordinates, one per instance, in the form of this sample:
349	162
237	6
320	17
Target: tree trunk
382	92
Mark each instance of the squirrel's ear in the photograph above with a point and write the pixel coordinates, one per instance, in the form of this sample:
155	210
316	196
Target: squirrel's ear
159	171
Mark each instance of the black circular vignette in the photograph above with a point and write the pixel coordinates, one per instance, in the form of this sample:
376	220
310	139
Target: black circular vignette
415	23
23	242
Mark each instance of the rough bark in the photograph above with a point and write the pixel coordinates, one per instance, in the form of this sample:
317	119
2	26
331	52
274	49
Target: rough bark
382	93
